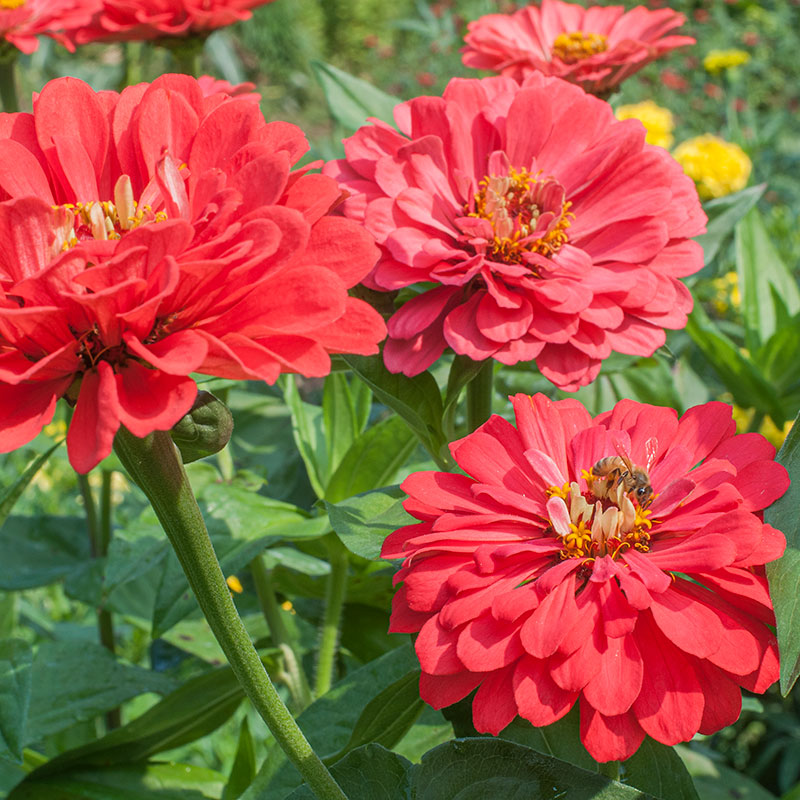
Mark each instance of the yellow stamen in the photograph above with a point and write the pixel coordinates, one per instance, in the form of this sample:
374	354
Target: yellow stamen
577	45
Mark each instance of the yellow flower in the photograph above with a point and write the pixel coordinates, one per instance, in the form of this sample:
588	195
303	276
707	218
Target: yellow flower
719	60
716	166
657	121
234	584
726	292
773	433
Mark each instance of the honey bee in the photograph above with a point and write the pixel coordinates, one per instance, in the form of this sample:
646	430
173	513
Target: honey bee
620	470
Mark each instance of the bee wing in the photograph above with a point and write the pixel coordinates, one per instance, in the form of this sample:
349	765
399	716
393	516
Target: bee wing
651	448
622	452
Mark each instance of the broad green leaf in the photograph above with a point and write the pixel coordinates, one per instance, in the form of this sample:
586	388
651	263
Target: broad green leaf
723	214
329	721
373	459
658	769
340	419
740	374
15	693
649	381
474	769
430	730
778	357
562	739
762	275
11	493
9	614
417	400
387	717
352	100
784	574
129	782
309	434
369	773
715	781
199	707
364	521
75	680
221	49
244	765
35	551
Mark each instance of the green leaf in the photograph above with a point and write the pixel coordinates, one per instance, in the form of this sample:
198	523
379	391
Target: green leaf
715	781
417	400
328	722
15	693
742	378
723	214
474	769
77	680
352	100
364	521
12	492
373	459
244	765
340	420
369	773
309	435
38	550
199	707
778	356
387	717
762	276
131	782
784	574
658	769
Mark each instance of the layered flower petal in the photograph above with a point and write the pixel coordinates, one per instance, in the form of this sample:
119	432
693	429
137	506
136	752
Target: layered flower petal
550	573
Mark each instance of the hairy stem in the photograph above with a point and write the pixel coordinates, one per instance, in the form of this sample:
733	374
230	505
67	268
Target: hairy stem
155	466
334	603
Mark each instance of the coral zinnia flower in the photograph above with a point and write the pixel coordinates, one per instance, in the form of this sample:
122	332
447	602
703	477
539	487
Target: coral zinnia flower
541	579
121	20
595	47
21	21
551	230
155	233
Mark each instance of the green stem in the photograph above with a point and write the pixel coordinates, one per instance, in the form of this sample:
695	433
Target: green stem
610	769
479	396
153	463
134	58
334	603
99	527
295	676
8	83
186	52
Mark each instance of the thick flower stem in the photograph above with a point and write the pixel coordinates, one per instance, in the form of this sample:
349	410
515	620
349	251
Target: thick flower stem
334	602
479	396
8	83
610	769
295	677
153	463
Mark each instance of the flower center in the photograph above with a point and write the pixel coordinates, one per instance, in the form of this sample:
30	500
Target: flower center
104	220
11	3
598	522
528	214
577	45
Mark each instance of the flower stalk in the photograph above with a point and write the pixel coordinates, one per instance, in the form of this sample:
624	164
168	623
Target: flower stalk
8	82
334	603
295	677
479	396
154	464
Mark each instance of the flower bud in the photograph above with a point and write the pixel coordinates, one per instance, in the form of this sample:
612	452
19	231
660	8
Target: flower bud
205	430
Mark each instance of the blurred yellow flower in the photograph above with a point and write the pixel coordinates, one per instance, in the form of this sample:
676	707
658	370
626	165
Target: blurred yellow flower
234	584
657	121
716	166
726	294
772	432
719	60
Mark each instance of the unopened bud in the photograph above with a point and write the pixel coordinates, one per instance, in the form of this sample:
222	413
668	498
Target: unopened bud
205	430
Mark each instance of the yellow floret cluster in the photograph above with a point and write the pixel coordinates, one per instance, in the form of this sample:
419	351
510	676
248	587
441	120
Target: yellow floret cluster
716	166
717	61
658	122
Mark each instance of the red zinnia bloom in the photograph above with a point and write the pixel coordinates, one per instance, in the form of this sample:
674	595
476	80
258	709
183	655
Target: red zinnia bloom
21	21
156	233
121	20
551	230
596	47
541	582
